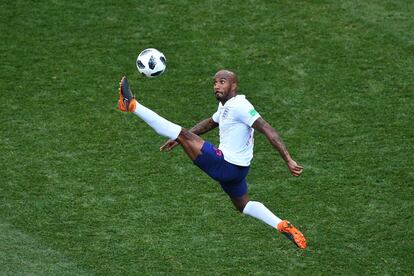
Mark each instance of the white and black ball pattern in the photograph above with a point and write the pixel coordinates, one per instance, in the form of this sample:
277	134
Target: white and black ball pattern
151	63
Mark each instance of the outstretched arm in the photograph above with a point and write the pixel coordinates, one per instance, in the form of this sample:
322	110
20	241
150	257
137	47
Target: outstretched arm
200	128
271	134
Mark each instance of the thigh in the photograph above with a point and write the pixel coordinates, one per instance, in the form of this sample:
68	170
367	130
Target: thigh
191	143
211	161
235	190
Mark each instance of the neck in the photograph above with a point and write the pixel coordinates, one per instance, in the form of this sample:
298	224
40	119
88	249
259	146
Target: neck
231	95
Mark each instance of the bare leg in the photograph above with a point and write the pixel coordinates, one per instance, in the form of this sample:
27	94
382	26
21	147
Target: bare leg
240	202
191	143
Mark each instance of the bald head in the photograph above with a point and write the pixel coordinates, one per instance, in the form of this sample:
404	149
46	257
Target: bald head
226	74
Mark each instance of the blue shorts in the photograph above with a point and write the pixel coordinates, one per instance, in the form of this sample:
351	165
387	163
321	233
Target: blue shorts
232	178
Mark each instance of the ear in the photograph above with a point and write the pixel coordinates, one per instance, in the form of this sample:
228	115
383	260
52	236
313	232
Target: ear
234	86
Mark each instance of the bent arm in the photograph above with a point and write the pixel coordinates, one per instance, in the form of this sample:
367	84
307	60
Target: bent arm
271	134
262	126
204	126
200	128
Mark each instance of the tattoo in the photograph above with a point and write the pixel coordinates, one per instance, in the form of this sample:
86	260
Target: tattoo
271	134
279	145
260	124
204	126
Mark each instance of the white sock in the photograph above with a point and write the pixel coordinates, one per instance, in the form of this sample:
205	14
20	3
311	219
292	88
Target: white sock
159	124
259	211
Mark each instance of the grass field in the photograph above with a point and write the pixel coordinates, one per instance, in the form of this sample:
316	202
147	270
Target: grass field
85	191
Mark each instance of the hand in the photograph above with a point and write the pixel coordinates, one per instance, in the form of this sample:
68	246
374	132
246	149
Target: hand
294	168
169	145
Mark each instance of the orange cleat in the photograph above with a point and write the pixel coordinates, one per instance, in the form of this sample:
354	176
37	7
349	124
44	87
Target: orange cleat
293	234
126	102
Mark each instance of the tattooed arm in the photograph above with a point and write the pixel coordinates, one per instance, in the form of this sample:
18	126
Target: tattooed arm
276	141
204	126
200	128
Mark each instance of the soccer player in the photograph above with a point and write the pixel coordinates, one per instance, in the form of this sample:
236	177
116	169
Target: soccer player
229	163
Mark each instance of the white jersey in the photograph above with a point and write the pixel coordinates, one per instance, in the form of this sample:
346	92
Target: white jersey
235	119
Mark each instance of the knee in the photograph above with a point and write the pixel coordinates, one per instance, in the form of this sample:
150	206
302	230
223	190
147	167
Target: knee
240	203
185	134
186	137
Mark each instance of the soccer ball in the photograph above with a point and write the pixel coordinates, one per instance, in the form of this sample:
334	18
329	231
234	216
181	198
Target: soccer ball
151	63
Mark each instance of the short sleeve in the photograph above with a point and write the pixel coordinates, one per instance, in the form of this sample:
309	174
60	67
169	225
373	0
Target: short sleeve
246	113
216	116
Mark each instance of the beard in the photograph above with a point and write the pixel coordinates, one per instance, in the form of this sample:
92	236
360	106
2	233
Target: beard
219	96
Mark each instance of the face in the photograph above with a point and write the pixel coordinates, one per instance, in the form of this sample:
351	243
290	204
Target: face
222	88
224	85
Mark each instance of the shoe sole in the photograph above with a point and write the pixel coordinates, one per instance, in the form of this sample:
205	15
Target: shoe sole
125	92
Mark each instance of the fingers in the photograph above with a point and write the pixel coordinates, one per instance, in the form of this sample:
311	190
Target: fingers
296	173
296	170
168	146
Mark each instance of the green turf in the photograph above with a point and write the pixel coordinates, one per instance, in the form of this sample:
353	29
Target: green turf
84	189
